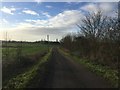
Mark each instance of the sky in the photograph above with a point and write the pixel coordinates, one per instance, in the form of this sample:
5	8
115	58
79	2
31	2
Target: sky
33	21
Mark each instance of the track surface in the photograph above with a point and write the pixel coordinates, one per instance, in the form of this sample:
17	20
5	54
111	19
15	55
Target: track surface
62	72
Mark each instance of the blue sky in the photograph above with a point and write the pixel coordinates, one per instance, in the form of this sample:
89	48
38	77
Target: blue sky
52	9
33	21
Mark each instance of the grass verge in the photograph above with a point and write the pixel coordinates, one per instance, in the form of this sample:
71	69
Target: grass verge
107	73
23	79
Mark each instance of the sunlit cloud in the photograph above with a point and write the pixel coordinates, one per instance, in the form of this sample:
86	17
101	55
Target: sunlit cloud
90	7
67	18
106	8
60	24
46	14
31	12
8	10
3	21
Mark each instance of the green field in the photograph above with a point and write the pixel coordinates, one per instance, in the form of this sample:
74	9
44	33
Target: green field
23	80
27	48
19	58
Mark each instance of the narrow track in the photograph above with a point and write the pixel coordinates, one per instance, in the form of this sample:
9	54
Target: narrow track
63	72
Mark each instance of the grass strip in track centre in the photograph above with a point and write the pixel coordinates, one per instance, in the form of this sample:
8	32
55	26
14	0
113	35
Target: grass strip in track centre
109	74
23	79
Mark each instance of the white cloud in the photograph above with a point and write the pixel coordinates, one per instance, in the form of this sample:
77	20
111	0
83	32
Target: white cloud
90	7
8	10
56	26
3	22
65	19
41	23
105	7
46	14
31	12
48	6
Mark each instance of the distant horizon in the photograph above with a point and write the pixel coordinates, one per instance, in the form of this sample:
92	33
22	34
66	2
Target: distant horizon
30	41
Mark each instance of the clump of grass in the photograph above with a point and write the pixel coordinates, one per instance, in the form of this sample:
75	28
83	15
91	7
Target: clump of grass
109	74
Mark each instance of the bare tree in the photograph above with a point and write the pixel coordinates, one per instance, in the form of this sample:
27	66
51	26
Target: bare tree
93	25
103	37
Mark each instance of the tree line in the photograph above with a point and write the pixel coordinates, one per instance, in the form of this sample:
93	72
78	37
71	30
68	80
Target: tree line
98	39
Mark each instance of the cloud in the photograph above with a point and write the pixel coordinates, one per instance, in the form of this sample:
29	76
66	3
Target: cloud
67	19
55	26
48	6
41	23
90	7
8	10
46	14
31	12
105	7
3	21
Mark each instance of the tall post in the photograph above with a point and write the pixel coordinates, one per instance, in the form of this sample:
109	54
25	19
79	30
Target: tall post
48	38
